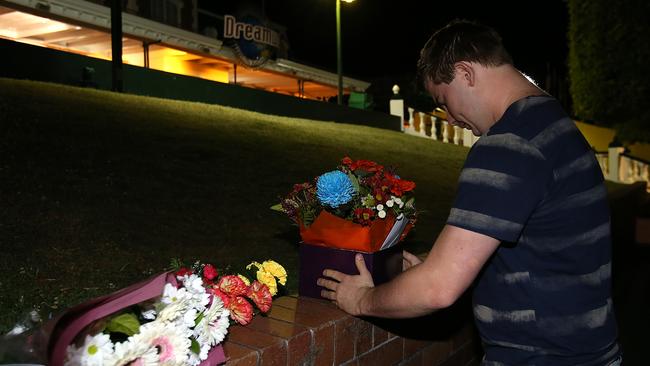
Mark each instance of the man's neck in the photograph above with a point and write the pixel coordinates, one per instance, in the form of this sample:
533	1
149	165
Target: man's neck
514	86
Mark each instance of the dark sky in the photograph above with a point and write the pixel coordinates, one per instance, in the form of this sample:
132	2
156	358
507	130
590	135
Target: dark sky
383	37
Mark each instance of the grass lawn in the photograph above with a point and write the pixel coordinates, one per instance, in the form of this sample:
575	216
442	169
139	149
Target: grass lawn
99	190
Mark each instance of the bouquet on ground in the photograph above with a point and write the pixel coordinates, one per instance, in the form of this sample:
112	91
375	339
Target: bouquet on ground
177	318
361	205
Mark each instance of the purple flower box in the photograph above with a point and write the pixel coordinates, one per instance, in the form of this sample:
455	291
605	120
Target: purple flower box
384	265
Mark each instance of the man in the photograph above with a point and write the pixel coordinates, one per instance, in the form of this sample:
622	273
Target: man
530	222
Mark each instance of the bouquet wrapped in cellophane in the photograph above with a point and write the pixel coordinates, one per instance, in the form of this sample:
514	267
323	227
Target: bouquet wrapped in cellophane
180	317
360	206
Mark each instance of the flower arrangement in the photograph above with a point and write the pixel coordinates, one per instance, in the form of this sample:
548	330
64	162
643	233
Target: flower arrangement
361	192
183	324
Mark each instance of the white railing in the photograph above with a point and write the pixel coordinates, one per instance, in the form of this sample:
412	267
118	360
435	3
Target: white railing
434	126
624	168
615	164
431	125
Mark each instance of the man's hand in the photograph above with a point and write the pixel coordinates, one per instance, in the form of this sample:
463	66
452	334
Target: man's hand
347	291
409	260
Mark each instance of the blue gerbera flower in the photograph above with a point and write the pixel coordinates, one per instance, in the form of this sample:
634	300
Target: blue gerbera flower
334	188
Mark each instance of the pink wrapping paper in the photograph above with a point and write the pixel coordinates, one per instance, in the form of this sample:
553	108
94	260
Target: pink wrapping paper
65	327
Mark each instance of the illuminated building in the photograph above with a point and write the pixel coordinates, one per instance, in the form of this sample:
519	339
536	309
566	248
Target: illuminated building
164	35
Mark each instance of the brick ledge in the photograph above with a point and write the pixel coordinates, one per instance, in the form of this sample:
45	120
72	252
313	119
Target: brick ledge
306	331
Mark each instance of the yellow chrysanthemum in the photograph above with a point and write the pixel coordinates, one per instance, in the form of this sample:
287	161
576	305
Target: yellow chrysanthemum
245	279
256	264
276	270
268	279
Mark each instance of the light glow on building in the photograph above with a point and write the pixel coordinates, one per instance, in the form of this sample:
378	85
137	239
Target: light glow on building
92	40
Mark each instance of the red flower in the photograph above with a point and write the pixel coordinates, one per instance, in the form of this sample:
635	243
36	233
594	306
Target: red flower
218	293
183	271
363	215
300	187
400	186
367	165
241	310
232	285
209	272
261	296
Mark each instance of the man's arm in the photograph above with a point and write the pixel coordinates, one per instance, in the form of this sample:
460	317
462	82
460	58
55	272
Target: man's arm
454	261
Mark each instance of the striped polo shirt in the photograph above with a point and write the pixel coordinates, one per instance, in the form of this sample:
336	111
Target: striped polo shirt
544	297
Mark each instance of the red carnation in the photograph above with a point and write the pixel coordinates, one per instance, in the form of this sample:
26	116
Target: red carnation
218	293
232	285
183	271
261	296
241	310
209	272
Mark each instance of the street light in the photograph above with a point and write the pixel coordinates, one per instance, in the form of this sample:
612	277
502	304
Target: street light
339	62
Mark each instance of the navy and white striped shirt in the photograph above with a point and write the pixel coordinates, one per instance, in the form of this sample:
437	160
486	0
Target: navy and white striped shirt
544	297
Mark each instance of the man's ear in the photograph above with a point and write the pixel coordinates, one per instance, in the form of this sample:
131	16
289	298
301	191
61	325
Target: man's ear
465	72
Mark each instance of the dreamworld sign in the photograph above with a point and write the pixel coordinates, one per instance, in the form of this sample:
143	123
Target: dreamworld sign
249	32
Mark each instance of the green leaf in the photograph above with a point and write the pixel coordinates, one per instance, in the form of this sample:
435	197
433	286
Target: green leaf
176	264
195	347
307	216
277	207
124	323
198	319
410	202
355	182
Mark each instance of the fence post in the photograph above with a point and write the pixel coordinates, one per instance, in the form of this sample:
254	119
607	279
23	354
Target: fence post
411	120
423	127
434	129
457	132
614	154
397	106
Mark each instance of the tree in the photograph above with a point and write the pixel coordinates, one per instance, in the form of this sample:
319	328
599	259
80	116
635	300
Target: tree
608	64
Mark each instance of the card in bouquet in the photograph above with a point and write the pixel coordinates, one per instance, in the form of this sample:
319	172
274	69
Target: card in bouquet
384	265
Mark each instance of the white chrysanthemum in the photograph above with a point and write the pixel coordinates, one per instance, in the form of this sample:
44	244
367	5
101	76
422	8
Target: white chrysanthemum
390	203
195	359
171	294
380	207
399	202
194	286
176	302
138	353
381	214
175	310
96	350
149	314
189	318
170	340
212	329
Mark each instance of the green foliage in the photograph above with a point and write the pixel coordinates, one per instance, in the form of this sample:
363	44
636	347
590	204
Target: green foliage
608	55
195	346
126	323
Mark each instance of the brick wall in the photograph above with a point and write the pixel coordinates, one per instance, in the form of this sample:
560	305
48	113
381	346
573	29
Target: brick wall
305	331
